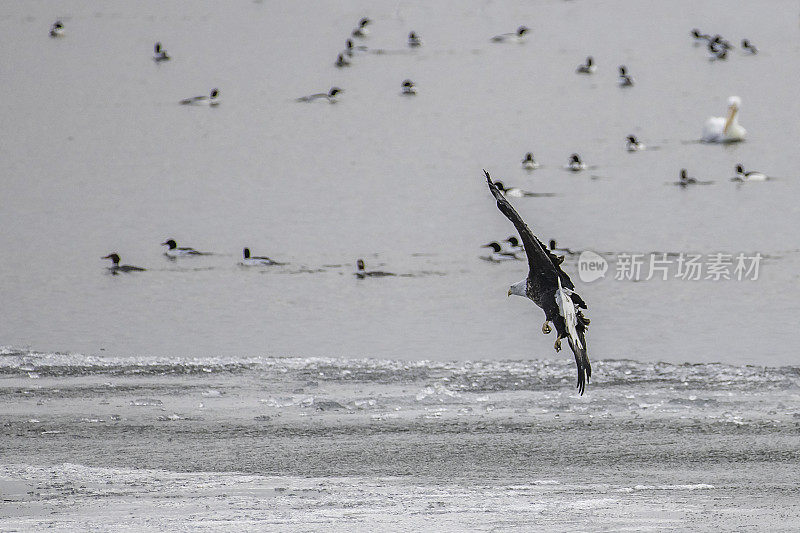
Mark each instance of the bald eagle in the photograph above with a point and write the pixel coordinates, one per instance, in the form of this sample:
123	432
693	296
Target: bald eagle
549	287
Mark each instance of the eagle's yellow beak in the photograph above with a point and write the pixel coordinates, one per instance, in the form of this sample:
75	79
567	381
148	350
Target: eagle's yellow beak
509	291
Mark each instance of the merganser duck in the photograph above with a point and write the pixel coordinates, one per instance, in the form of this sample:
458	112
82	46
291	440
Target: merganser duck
587	68
362	272
116	267
212	99
741	175
361	31
330	96
249	260
529	163
517	35
498	254
341	61
575	164
57	29
685	179
749	47
634	145
515	192
553	245
160	54
624	79
514	246
413	40
725	129
173	250
409	88
717	51
699	36
350	49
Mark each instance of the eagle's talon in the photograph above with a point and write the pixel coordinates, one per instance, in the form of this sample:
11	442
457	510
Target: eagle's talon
557	345
546	328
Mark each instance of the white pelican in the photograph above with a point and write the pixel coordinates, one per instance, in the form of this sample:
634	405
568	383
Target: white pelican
741	175
725	129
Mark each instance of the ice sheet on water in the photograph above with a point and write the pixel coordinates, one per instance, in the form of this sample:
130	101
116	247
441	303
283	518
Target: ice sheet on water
438	379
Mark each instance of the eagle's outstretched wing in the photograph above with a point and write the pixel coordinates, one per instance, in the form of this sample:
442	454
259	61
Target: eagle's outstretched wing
539	262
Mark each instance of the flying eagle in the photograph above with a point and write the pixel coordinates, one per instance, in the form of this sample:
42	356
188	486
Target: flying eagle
549	287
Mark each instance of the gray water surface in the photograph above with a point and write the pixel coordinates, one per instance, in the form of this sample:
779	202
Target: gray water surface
99	157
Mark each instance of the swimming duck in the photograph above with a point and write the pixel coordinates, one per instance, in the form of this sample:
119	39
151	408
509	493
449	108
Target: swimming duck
409	88
174	251
57	29
330	96
624	79
529	163
362	272
212	99
517	35
575	163
587	68
160	54
633	144
116	267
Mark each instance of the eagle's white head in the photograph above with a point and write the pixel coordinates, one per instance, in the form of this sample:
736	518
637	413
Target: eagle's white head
519	288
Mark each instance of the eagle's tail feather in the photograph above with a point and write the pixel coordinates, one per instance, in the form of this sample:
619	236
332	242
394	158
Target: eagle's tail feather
582	362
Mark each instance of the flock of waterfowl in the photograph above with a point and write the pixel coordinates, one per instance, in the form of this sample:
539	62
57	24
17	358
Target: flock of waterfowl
173	252
547	285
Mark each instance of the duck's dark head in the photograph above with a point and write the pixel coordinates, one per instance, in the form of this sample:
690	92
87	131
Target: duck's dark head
360	265
349	44
739	169
114	258
529	156
493	245
684	175
412	35
522	30
632	139
500	186
575	158
512	241
623	71
246	253
589	61
696	33
158	48
363	22
552	244
408	83
171	243
214	93
334	91
58	25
